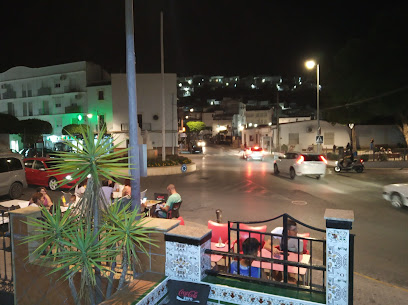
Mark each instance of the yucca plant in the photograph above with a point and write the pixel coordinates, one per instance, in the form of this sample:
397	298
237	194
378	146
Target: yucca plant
77	243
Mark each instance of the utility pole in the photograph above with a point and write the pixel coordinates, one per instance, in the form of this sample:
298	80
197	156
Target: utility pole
277	120
162	79
133	124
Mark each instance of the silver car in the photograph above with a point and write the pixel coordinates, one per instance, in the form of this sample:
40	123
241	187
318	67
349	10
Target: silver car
300	164
397	193
12	175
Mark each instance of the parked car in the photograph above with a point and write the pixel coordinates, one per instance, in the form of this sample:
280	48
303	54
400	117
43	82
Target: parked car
36	152
254	153
299	164
38	172
397	193
12	175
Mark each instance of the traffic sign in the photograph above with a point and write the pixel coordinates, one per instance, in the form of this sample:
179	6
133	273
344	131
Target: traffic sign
184	168
319	139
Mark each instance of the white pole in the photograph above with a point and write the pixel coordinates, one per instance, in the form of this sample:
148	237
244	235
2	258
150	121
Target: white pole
162	78
318	108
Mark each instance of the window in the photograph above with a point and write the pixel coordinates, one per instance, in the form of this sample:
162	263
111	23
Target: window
38	165
3	165
29	163
328	138
24	109
10	108
30	108
57	85
101	96
58	105
14	164
293	138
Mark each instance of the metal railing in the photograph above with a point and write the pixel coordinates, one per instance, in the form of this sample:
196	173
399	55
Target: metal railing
6	262
304	271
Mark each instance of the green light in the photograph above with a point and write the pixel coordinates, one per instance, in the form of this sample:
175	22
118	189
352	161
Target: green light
79	117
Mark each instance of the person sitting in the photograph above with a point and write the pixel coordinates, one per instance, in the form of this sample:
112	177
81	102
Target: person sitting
106	191
37	200
80	189
250	246
47	200
293	245
162	209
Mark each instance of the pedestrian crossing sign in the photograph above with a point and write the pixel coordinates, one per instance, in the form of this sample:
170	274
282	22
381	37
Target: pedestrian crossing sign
319	139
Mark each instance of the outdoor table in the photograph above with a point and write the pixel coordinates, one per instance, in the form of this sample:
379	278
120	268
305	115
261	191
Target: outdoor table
15	202
293	257
150	204
215	258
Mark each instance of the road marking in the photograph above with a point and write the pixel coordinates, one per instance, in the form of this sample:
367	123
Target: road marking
381	282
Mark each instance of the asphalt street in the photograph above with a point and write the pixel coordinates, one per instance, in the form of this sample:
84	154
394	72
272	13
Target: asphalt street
248	191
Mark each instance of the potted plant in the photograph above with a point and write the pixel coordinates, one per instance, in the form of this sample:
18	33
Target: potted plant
87	239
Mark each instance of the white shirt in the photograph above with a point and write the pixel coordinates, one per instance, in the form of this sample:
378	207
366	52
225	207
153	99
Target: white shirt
107	192
292	242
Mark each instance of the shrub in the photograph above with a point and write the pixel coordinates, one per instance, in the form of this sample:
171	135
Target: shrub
284	148
170	161
332	156
383	157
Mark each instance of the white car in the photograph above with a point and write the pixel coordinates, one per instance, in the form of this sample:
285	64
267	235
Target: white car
254	153
396	193
300	164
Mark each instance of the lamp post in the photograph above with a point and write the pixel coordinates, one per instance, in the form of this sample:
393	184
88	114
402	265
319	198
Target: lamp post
310	64
351	125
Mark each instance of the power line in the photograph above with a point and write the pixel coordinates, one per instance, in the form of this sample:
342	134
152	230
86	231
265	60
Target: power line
368	99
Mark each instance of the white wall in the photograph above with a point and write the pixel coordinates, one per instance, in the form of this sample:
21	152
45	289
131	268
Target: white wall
389	135
149	103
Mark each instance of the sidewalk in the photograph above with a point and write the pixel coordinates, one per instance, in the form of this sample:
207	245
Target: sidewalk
379	164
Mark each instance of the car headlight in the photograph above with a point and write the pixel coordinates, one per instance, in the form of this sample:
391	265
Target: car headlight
69	177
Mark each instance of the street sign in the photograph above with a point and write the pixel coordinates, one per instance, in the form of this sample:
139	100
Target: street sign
184	168
319	139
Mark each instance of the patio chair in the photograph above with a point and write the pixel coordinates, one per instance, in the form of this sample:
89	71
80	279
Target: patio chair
174	212
244	235
219	230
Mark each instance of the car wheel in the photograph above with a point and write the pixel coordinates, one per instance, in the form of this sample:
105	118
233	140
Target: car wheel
318	177
396	200
53	184
337	169
16	190
275	169
292	173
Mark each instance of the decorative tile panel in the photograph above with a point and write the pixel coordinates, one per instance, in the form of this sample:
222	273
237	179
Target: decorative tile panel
337	249
186	262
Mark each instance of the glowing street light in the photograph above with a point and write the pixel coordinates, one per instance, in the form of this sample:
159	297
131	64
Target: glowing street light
310	64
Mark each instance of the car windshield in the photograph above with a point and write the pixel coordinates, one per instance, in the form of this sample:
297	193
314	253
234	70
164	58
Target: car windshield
312	158
256	149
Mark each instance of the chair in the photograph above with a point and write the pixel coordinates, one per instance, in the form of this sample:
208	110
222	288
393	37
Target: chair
219	230
161	196
174	212
305	241
244	235
181	221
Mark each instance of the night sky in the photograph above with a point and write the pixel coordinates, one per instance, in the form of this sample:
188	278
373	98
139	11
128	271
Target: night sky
201	37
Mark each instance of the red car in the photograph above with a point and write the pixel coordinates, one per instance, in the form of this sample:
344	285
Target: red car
38	172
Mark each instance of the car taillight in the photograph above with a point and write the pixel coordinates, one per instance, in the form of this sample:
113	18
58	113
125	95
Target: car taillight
361	161
323	159
300	159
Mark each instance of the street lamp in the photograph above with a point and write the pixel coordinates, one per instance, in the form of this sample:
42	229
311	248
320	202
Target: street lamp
310	64
351	125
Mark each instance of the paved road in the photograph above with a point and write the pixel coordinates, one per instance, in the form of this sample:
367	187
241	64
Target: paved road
248	191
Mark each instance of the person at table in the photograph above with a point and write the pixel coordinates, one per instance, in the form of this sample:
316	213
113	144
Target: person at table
294	245
250	246
107	192
37	200
174	197
80	189
47	200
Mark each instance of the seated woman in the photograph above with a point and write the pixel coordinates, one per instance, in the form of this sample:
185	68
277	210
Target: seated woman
250	247
47	200
37	200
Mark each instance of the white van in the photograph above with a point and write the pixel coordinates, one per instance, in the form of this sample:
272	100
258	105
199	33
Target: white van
12	175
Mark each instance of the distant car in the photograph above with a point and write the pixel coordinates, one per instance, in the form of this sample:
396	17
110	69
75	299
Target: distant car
254	153
36	152
299	164
201	143
12	175
38	172
196	149
397	193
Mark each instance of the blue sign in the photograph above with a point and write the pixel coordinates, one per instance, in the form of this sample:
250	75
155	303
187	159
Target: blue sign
184	168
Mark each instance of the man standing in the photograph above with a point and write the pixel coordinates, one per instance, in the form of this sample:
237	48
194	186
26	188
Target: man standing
372	147
173	198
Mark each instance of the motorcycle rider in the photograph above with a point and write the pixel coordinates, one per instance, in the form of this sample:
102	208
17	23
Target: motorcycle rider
348	158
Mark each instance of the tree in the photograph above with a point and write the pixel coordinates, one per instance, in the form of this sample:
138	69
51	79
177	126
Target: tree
31	130
368	83
89	239
193	129
74	129
9	124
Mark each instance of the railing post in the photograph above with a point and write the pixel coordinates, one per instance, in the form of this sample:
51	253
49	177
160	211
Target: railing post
338	226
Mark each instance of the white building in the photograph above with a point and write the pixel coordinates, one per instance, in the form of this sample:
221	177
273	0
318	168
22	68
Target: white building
149	109
61	94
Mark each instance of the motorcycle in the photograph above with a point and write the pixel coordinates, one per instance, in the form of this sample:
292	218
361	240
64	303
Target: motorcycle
356	165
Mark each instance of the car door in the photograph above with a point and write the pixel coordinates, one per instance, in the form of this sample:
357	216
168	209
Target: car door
28	164
4	181
40	173
287	161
